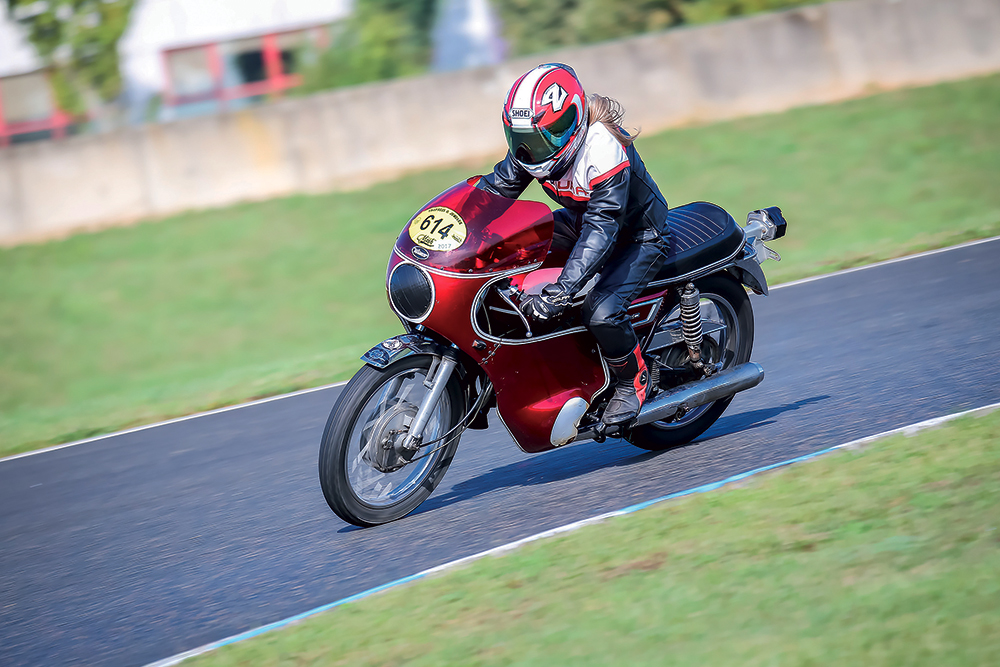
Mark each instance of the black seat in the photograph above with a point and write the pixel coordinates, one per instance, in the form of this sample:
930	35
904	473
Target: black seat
701	234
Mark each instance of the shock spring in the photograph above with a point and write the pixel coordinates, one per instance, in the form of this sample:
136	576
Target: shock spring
691	325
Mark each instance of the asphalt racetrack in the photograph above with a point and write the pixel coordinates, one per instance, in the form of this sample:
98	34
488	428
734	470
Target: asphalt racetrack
138	546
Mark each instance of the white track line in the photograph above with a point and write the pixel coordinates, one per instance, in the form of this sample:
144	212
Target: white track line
337	384
195	415
854	444
895	260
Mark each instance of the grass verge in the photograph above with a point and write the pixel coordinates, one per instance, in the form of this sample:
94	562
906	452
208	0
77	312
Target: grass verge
108	330
883	556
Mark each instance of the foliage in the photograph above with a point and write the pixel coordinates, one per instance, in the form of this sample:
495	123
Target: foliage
532	27
702	11
382	39
78	40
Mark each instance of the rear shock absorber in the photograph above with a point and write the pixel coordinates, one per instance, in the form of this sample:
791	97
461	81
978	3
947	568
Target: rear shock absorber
691	326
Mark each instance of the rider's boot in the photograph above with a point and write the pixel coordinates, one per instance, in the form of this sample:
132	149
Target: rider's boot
630	392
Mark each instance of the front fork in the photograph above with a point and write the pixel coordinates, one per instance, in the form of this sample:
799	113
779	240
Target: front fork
436	381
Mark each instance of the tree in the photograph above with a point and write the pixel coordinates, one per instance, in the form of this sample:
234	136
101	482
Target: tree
702	11
531	26
382	39
78	40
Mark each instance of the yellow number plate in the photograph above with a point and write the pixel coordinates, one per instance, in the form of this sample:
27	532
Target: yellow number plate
438	228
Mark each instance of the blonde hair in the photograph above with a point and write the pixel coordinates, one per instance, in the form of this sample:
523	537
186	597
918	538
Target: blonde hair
609	112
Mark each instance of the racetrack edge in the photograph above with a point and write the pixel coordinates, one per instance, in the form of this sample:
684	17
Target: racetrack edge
193	415
909	429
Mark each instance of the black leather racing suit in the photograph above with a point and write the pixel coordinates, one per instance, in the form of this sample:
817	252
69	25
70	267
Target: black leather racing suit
614	221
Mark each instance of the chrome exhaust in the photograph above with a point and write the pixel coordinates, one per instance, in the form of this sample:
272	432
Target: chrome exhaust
693	394
689	396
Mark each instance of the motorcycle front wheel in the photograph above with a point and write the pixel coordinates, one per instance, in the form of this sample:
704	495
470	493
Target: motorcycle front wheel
376	407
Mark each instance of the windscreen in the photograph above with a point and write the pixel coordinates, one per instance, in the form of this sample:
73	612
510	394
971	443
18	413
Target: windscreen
468	230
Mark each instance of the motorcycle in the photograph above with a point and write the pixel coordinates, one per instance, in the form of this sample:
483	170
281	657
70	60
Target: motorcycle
455	279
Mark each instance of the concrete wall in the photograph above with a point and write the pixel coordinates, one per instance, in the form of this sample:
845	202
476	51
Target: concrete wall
355	136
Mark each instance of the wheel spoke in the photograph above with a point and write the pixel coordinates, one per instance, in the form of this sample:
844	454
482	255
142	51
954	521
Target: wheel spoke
388	411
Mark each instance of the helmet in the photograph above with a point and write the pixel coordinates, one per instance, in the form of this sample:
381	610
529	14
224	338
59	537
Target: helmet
545	119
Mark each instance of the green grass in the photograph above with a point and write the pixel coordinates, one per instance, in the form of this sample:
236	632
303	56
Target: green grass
885	556
107	330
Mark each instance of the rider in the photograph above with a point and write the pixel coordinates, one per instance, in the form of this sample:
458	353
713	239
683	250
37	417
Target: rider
614	220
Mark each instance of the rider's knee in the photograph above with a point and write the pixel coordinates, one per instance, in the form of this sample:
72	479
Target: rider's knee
603	311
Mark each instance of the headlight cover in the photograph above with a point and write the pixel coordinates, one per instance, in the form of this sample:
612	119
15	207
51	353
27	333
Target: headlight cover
411	292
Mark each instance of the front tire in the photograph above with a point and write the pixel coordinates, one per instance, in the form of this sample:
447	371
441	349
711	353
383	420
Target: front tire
374	402
723	298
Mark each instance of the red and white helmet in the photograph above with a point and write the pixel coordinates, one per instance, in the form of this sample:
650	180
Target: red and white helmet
545	119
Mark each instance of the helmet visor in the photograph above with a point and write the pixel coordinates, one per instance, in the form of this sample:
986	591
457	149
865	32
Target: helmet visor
537	144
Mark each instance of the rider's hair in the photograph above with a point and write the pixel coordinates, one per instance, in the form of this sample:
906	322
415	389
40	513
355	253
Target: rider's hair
609	112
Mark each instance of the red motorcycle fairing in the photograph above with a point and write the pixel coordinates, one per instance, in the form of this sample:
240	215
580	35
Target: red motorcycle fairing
467	242
465	230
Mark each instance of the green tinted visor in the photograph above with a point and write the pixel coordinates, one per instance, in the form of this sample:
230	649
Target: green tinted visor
537	144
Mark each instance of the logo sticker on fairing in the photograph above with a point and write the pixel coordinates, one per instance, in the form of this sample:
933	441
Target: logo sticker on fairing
419	253
438	228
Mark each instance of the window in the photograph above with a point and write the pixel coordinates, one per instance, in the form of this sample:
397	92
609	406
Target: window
291	46
243	62
239	72
28	109
26	98
190	73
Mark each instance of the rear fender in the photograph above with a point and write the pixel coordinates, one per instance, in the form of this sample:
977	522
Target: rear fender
748	272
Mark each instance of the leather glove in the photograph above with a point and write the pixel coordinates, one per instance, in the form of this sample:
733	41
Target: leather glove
550	303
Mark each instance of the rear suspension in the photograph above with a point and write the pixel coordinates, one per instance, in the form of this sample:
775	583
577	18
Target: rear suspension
691	326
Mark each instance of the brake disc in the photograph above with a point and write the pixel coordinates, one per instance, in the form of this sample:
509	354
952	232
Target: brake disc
379	449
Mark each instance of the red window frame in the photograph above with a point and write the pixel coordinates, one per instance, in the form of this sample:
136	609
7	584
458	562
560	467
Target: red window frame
57	123
276	83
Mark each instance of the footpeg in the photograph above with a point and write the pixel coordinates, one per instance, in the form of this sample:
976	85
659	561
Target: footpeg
600	432
604	431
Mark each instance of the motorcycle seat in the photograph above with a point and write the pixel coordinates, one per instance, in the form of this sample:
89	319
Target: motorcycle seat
701	234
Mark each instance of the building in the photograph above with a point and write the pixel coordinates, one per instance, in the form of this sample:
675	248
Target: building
28	109
189	57
185	57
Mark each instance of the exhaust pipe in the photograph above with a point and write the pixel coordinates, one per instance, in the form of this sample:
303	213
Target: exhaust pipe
693	394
